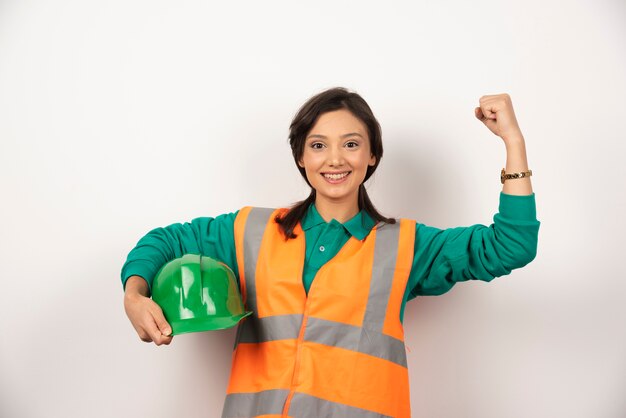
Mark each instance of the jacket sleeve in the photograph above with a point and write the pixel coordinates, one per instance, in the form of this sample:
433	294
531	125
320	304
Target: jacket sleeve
444	257
211	237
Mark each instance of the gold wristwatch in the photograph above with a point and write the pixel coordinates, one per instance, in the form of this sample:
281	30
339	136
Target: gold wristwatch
504	176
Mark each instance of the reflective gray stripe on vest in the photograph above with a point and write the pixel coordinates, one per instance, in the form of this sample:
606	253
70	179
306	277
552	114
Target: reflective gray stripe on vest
252	237
248	405
270	328
322	331
360	339
385	255
307	406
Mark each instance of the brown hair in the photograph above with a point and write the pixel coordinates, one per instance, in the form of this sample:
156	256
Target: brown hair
329	100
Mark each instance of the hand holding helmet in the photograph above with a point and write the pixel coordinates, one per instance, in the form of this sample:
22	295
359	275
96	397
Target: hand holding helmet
191	293
145	315
198	293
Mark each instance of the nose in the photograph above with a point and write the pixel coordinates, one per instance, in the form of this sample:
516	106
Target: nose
335	157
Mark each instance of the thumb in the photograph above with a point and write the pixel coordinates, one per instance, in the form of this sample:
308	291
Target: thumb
484	116
479	114
162	324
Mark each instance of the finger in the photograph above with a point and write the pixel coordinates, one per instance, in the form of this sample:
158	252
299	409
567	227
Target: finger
488	111
156	336
480	115
163	339
161	322
164	327
489	105
167	339
153	331
490	97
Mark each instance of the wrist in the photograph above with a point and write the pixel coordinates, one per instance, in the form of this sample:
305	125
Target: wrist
136	286
514	140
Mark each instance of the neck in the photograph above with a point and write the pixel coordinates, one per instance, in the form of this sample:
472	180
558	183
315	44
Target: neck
342	211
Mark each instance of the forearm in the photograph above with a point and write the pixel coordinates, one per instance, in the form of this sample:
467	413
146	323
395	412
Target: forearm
516	162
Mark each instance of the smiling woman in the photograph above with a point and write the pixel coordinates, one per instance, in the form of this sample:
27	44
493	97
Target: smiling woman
327	279
337	144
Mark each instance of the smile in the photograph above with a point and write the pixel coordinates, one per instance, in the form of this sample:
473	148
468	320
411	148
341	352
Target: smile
336	177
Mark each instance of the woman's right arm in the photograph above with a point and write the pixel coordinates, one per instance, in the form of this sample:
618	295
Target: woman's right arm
212	237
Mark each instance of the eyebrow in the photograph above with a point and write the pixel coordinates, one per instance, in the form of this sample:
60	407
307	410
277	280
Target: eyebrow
342	136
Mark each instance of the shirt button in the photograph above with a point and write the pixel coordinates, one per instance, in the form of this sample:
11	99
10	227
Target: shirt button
322	248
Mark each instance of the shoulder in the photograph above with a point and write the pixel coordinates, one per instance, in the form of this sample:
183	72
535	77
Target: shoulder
401	223
261	209
259	212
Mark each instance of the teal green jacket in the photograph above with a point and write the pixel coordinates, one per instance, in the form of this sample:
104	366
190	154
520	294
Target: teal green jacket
442	257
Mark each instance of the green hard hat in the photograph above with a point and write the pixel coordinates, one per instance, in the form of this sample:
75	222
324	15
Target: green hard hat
198	293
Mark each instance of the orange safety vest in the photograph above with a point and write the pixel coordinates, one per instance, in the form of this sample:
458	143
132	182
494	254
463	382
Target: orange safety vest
338	352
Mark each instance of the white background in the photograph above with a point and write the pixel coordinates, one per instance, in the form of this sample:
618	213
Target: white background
120	116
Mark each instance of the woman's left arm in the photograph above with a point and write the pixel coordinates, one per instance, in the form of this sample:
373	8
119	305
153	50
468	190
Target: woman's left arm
479	252
496	112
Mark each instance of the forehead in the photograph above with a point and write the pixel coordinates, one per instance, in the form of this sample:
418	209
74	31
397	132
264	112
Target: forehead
338	122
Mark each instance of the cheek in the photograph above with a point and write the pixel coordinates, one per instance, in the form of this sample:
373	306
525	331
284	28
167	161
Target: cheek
309	168
311	161
361	160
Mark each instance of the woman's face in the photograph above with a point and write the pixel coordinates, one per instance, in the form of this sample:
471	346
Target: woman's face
336	156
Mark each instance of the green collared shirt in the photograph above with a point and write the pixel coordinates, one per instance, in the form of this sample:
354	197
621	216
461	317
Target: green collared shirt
442	257
325	239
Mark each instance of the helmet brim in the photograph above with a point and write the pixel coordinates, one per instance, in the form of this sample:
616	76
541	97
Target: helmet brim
185	326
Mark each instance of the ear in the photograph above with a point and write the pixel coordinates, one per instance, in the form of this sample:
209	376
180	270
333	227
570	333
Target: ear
300	163
372	160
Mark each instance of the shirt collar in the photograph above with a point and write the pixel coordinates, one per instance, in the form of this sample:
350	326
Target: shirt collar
359	226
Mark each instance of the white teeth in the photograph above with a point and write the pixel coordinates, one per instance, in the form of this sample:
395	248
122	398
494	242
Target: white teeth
335	176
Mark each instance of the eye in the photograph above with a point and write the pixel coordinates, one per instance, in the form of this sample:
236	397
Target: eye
315	145
352	144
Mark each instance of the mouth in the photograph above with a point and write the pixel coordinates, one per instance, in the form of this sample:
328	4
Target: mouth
336	177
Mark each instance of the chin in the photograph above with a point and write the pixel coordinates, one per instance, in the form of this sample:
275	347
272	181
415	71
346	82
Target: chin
339	196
